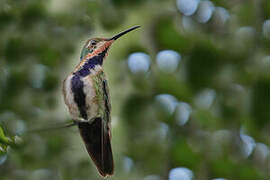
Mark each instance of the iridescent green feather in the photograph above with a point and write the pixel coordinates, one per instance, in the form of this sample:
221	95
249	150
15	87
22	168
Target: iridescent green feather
102	95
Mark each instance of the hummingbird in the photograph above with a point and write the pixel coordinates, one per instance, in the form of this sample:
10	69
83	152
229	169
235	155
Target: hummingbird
86	95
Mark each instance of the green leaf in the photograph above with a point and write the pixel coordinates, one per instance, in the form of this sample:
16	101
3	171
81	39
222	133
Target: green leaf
3	138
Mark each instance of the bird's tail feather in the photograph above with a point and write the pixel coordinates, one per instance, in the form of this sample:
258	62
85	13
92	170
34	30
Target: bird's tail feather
98	144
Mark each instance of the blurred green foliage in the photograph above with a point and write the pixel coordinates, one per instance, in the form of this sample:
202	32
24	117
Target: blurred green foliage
210	114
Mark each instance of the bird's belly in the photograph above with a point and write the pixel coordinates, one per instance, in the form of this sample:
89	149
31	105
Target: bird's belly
80	97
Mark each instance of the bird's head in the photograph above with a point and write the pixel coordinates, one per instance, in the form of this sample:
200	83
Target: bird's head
96	46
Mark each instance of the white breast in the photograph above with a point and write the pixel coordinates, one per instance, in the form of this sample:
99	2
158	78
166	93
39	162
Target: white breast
91	100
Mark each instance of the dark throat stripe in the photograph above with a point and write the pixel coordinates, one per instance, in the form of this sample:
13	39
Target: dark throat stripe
91	63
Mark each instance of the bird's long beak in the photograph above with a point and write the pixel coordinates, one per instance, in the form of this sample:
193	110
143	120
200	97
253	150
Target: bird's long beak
122	33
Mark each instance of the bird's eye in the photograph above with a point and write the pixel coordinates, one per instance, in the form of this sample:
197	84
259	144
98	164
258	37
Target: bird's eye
93	42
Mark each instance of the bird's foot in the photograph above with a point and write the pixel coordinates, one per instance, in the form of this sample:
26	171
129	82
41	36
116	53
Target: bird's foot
80	120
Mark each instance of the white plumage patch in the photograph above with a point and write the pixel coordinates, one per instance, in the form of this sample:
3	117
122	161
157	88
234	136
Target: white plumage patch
69	98
96	70
90	101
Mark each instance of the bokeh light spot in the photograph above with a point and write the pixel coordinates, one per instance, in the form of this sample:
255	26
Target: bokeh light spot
205	11
3	158
248	144
266	28
189	24
181	173
37	75
167	101
183	111
138	62
168	60
127	164
222	15
245	32
187	7
205	98
265	63
163	130
261	152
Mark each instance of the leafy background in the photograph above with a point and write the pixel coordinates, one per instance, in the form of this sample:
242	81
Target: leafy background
190	89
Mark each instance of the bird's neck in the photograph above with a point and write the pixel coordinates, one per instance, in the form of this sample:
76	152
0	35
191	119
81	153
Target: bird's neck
90	63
